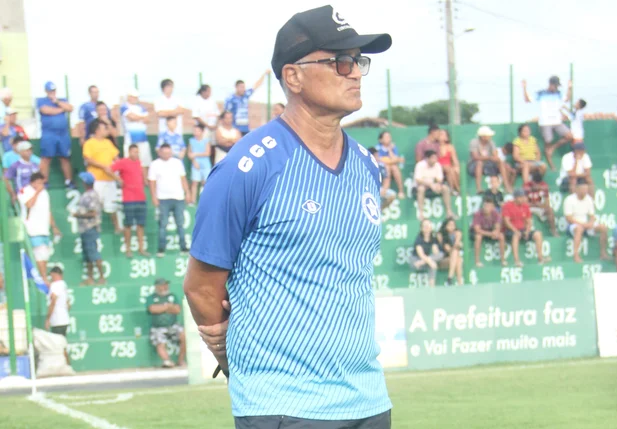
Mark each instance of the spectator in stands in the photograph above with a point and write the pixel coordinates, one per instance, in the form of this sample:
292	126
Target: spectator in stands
536	191
164	308
550	119
494	193
505	156
58	307
6	96
238	103
226	136
575	167
205	111
102	111
130	172
387	195
526	153
426	255
55	133
389	156
518	225
277	110
99	154
577	119
430	142
37	217
199	154
169	190
429	182
449	161
136	120
88	215
173	138
12	156
579	210
19	172
11	129
167	105
450	244
487	225
87	114
484	159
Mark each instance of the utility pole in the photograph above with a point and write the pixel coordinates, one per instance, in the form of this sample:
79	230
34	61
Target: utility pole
454	110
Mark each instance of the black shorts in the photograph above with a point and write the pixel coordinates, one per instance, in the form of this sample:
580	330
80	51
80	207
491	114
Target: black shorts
134	214
380	421
428	194
60	330
508	233
489	168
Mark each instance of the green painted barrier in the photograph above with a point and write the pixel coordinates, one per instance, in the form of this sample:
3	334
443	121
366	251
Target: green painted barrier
445	328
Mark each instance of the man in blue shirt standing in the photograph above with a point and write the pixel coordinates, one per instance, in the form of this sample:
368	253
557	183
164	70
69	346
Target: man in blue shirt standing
55	133
87	113
238	103
288	224
172	138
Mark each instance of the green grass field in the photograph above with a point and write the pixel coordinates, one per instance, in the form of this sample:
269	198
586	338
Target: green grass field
580	394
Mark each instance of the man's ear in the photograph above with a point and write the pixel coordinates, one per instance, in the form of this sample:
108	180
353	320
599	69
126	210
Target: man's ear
292	78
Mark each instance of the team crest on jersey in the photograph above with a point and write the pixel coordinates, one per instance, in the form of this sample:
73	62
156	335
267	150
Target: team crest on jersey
311	206
371	208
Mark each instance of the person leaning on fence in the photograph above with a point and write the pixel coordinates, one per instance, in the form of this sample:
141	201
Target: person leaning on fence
487	226
429	182
518	225
450	241
579	210
575	167
37	218
164	308
88	216
426	255
526	154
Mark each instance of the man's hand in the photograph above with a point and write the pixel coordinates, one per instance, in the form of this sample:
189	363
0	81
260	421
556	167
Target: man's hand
55	230
569	84
108	170
47	324
155	201
524	83
215	337
187	198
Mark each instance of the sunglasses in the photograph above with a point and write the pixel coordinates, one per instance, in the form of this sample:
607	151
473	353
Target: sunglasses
344	63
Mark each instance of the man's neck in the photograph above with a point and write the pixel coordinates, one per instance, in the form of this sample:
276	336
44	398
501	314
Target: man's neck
321	134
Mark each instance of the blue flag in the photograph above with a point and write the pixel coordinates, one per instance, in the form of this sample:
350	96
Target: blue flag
33	274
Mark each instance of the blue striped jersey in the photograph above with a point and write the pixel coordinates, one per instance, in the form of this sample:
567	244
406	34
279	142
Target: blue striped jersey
238	105
135	131
299	239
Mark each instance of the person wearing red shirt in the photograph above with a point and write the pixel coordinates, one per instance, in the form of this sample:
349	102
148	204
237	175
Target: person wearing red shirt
539	202
133	198
518	225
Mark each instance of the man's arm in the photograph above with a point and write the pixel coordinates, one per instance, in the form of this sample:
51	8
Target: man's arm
50	309
516	153
65	106
173	308
525	92
51	110
260	81
6	129
155	200
9	188
158	308
32	201
508	223
185	187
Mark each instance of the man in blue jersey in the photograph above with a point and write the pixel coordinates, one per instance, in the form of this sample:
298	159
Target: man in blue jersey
135	120
238	103
87	113
55	133
290	221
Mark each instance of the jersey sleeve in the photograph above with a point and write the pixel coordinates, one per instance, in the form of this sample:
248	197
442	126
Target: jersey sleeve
229	105
82	112
568	209
11	172
227	212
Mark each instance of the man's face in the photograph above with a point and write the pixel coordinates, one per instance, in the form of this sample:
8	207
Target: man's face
101	131
94	94
582	190
431	160
227	119
162	289
488	207
206	93
165	153
12	119
324	88
101	111
198	133
26	154
171	124
168	90
132	99
485	139
241	89
495	182
552	87
578	154
520	200
37	184
51	94
134	154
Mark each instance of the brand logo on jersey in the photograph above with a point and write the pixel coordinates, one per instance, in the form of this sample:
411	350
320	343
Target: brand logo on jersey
311	206
371	208
362	150
338	19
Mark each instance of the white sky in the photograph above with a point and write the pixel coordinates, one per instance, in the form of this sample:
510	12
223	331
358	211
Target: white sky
105	43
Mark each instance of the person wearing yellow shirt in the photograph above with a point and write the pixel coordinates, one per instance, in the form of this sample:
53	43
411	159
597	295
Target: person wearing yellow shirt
526	153
99	153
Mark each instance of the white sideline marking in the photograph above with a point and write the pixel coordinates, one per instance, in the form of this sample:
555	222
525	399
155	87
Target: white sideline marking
154	391
95	422
450	371
120	397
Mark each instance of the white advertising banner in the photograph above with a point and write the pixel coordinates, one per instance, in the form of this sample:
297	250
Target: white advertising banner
605	291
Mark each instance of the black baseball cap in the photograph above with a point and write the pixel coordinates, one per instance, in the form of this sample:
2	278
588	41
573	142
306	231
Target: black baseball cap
554	80
317	29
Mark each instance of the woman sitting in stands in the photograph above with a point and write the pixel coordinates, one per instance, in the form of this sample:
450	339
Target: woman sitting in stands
450	240
226	136
449	161
426	254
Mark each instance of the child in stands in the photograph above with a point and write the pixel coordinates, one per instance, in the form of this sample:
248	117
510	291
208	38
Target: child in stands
577	117
539	202
494	193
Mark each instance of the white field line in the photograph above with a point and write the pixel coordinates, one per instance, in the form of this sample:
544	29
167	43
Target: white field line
154	391
95	422
120	397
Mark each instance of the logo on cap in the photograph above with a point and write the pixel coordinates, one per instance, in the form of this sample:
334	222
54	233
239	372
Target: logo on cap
338	19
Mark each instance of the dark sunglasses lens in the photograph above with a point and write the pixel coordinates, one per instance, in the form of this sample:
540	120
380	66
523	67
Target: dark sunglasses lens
344	64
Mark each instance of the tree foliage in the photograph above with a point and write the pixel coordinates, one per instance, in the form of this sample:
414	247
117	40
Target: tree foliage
435	112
